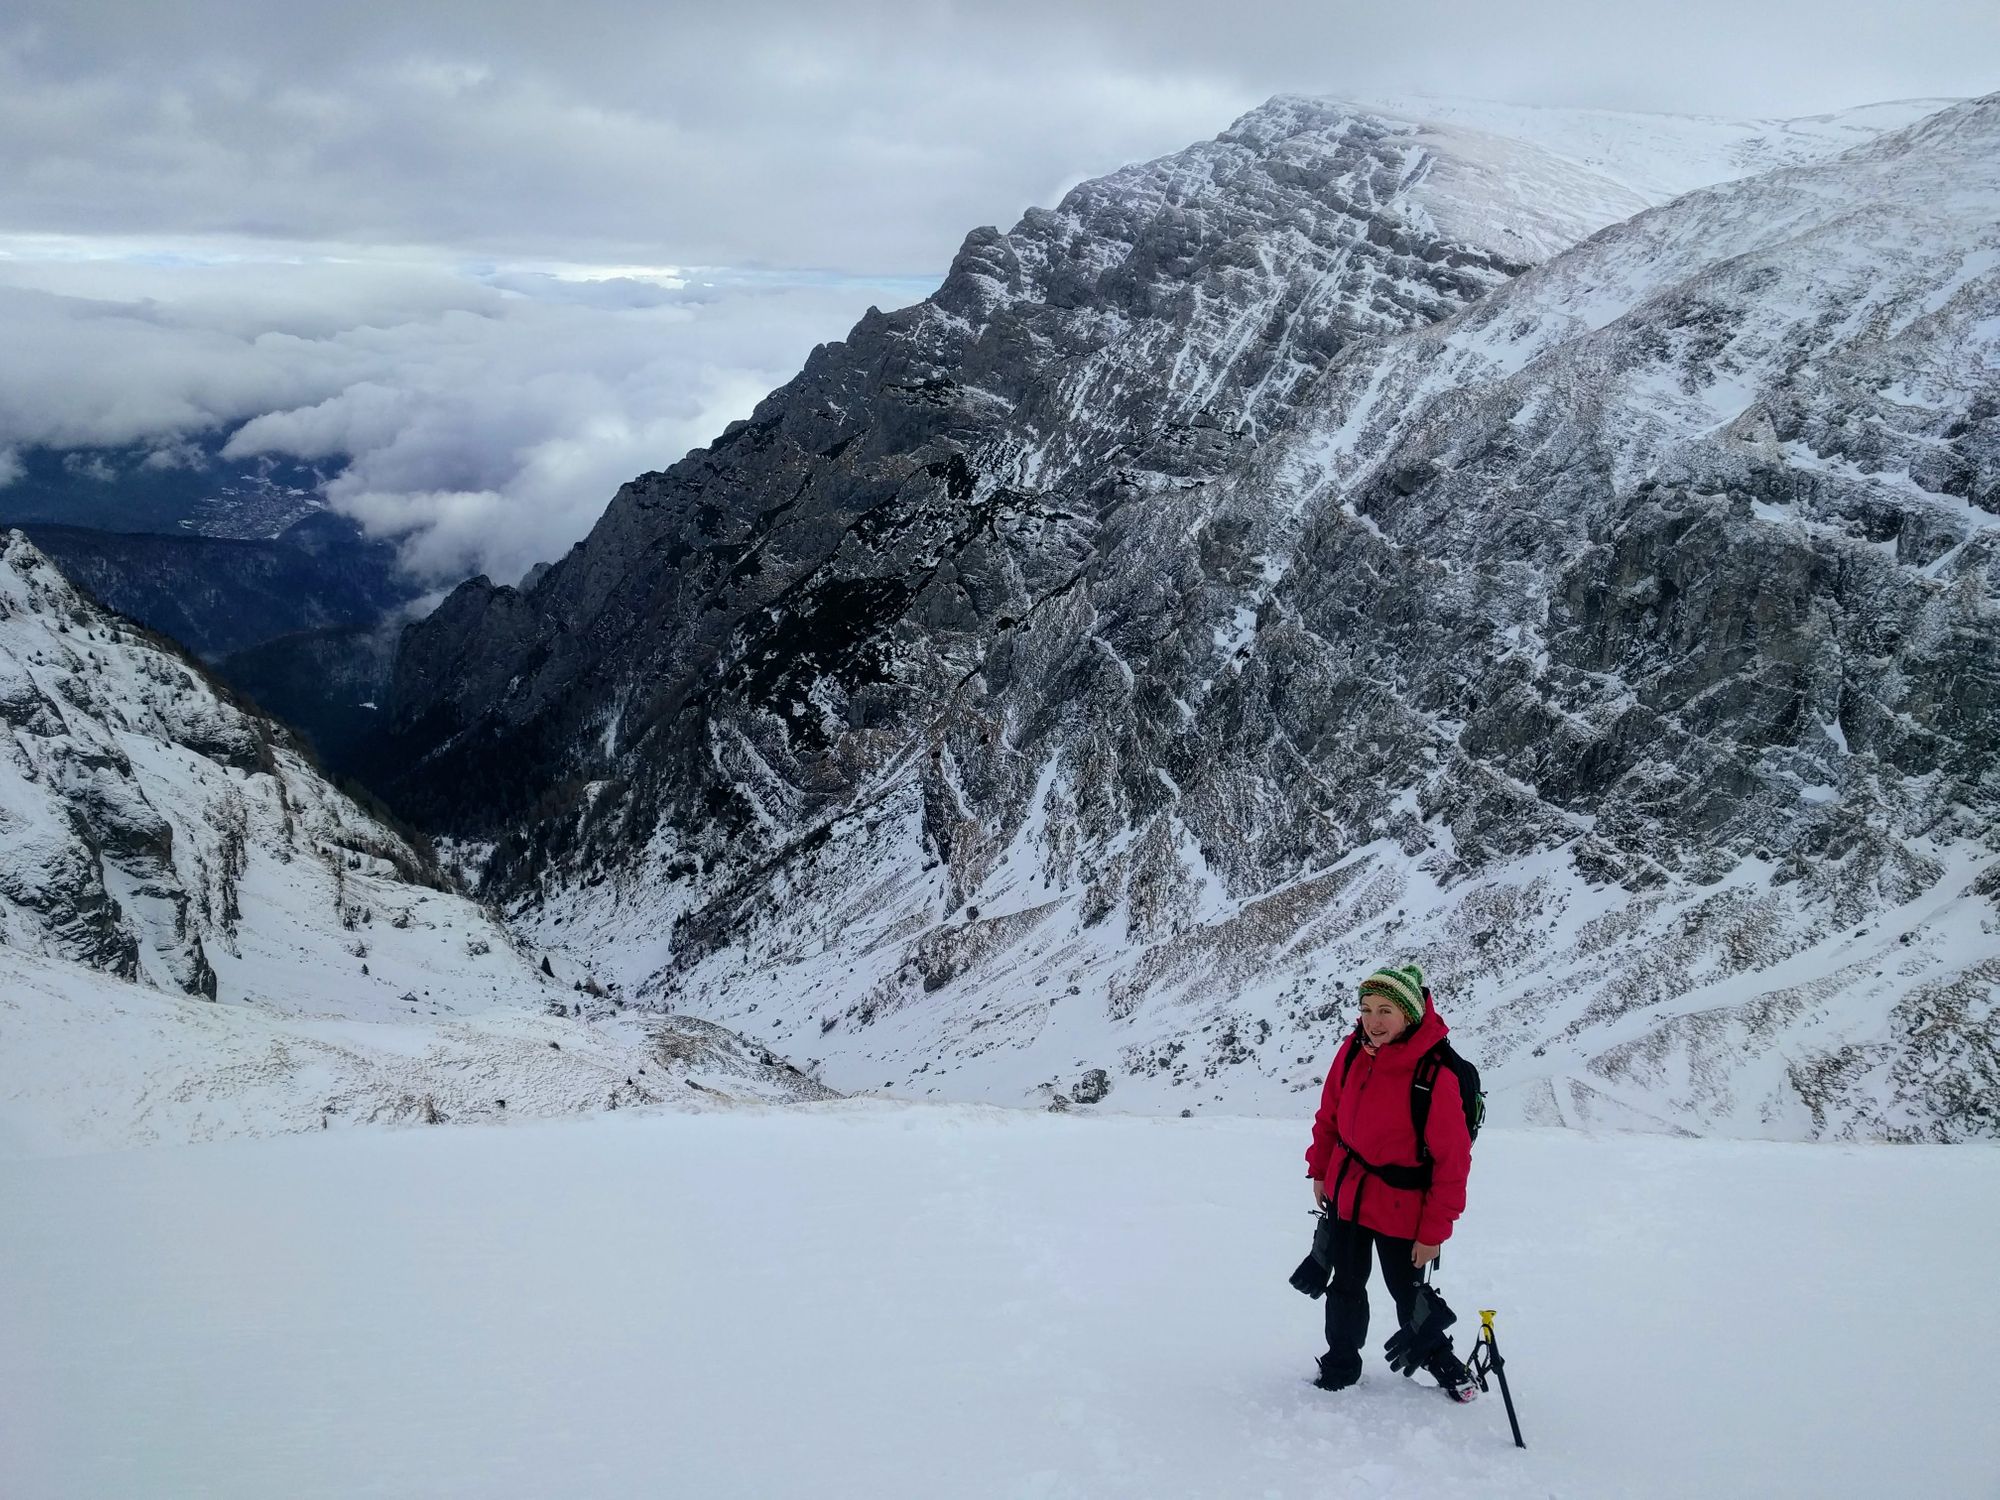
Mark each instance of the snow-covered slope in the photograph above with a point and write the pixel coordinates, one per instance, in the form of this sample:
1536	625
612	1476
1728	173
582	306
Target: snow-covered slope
163	848
158	831
91	1063
874	1302
1833	320
1657	156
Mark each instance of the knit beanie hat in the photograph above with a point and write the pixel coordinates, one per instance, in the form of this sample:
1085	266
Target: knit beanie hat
1405	986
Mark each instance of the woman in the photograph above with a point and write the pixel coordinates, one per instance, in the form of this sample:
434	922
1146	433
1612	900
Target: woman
1369	1171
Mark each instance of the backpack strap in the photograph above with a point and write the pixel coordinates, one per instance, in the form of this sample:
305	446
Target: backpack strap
1347	1061
1422	1085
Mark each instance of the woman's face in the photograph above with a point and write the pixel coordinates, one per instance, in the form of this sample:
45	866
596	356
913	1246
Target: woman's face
1382	1020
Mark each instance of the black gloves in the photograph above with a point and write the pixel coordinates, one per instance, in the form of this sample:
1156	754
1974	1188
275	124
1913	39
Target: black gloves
1316	1270
1416	1341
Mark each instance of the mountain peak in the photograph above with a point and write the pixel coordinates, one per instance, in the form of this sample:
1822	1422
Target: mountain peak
1305	547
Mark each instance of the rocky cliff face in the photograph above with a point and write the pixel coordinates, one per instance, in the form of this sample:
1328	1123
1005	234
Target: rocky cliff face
1280	558
159	831
161	843
1143	336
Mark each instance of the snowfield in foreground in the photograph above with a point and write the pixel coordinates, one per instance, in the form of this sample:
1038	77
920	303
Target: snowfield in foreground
882	1300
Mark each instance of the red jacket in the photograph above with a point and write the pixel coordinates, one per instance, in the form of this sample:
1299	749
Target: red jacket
1369	1110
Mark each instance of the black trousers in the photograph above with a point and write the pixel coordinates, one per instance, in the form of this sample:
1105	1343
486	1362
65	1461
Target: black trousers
1347	1296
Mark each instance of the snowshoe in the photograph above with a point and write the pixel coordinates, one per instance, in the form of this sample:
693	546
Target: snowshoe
1453	1378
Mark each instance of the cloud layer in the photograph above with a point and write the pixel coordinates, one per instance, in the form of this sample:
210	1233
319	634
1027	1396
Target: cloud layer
489	416
394	231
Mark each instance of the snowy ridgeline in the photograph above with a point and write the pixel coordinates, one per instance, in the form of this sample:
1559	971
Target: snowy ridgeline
880	1302
1658	157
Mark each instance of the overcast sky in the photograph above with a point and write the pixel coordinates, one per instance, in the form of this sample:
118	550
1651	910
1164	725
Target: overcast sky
505	255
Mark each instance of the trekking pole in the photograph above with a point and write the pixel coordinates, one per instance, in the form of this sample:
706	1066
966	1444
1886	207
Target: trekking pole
1497	1365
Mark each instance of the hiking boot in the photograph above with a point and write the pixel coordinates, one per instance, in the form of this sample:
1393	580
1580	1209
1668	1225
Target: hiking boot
1337	1374
1449	1371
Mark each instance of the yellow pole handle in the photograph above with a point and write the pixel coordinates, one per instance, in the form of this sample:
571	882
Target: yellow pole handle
1486	1318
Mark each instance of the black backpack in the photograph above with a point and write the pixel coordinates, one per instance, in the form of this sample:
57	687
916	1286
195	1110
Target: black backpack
1441	1055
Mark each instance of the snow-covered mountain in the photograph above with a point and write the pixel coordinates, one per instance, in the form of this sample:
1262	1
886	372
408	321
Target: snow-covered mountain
1658	157
161	832
163	847
1290	555
1141	336
1061	693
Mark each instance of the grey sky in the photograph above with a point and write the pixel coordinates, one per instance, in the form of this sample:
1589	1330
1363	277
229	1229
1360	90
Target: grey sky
864	137
397	230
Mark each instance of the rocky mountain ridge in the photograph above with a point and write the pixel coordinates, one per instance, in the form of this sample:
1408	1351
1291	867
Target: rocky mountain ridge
1229	580
1141	336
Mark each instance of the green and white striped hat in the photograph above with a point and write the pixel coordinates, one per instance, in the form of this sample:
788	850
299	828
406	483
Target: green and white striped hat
1405	986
